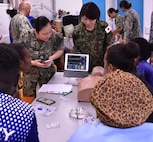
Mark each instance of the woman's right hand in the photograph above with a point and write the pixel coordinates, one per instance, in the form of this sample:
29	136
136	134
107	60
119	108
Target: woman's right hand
40	64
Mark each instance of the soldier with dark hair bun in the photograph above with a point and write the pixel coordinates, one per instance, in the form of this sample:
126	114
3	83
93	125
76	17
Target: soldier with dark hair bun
11	13
131	21
151	29
113	13
44	45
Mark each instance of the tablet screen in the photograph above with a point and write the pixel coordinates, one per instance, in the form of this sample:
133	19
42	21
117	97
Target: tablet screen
77	62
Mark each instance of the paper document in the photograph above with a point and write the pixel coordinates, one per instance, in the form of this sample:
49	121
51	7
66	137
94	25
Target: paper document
56	88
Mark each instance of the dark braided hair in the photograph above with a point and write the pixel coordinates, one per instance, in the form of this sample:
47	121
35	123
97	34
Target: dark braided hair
9	63
40	22
145	47
111	10
19	48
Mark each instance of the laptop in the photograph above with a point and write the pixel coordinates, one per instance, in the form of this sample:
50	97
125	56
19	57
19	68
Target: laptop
76	65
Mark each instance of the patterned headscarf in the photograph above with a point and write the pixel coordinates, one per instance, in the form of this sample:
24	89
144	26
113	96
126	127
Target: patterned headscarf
121	100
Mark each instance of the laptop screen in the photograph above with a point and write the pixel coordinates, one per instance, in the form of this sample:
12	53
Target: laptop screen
76	64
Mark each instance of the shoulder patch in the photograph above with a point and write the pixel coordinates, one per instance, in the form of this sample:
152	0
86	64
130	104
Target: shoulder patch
108	29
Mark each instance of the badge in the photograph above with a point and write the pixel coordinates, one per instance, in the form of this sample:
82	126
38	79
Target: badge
108	29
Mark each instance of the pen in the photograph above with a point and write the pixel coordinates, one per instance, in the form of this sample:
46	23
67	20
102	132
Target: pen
56	92
66	93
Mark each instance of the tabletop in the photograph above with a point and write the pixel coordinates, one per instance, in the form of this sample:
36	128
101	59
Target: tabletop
66	125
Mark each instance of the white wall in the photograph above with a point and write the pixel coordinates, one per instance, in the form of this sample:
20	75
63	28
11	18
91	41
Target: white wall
73	6
69	5
148	8
49	5
42	8
4	23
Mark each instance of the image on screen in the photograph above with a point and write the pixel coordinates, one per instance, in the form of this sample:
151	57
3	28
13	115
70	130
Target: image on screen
76	62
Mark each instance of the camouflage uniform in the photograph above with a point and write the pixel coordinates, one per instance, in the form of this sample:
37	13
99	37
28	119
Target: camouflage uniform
19	26
119	23
131	25
37	51
151	36
93	42
151	30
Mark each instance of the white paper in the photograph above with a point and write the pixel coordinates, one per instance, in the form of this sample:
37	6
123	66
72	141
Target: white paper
55	88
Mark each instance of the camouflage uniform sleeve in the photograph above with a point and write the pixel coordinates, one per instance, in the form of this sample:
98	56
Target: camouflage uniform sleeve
20	26
109	36
24	26
128	24
26	39
76	39
119	22
151	30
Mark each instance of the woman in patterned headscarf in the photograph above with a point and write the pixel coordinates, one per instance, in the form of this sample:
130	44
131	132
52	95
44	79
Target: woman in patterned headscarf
120	98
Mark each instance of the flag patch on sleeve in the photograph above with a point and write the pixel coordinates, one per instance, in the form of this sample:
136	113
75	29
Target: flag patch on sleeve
108	29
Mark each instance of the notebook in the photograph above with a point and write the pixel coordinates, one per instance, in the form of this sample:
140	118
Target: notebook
76	65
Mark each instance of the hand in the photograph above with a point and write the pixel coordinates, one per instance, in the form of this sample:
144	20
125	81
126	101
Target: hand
51	58
47	63
40	64
120	40
0	37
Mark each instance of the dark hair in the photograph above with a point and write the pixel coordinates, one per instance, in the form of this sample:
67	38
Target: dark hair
125	4
19	48
40	23
145	47
11	12
90	10
9	64
122	56
52	21
111	10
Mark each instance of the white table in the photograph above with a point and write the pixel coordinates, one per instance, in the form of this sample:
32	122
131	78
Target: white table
63	106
